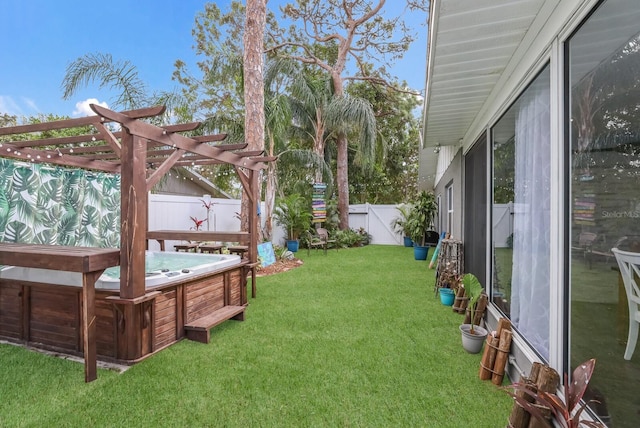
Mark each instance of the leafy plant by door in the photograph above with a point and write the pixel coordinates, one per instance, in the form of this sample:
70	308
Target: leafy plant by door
422	217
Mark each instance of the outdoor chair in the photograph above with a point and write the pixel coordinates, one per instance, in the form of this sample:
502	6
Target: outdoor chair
320	240
629	264
584	245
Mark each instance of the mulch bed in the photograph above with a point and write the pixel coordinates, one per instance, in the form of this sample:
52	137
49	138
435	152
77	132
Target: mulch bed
281	265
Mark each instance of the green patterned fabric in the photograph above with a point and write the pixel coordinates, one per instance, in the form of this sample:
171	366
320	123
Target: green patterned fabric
40	204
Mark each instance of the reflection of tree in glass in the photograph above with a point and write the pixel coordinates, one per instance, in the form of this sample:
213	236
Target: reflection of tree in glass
504	171
604	103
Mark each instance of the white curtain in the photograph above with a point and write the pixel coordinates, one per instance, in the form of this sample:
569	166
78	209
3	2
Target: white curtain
530	274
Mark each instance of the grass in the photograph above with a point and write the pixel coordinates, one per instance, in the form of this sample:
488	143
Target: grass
352	339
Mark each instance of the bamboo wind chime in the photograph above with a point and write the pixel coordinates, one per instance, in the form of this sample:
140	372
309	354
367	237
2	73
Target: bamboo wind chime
496	353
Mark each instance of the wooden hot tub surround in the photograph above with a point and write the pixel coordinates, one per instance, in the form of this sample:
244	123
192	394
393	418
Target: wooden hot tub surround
132	323
49	316
90	262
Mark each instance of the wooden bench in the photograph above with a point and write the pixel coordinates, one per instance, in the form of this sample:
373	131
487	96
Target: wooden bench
186	247
211	248
198	330
238	249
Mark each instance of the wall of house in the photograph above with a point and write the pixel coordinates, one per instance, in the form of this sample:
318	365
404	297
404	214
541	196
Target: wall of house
452	175
545	47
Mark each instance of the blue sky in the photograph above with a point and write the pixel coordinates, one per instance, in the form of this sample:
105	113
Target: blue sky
41	37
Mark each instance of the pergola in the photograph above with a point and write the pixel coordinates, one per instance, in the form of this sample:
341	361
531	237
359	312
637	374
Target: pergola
142	153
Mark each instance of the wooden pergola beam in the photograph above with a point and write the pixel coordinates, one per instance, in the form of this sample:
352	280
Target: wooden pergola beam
111	139
56	157
159	135
157	175
77	122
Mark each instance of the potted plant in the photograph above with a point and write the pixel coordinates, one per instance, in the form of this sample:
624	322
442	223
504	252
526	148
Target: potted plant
472	335
449	288
399	224
420	222
293	214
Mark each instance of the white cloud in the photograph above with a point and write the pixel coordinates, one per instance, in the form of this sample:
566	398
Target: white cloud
30	103
83	109
9	106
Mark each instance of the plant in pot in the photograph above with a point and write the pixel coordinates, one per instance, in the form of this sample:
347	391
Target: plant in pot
473	336
448	290
399	223
292	213
420	222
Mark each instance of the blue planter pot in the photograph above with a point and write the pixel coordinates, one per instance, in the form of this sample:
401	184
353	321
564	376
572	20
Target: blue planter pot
293	246
447	296
420	253
408	242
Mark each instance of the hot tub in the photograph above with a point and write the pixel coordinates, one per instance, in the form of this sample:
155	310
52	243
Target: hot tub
161	268
43	308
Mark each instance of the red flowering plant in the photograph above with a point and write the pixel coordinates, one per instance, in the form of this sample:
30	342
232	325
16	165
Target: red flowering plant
197	223
565	413
207	205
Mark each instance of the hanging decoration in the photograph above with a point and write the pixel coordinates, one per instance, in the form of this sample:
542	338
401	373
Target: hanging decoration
318	204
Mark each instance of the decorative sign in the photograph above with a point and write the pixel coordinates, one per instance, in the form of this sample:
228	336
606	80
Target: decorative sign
266	254
318	204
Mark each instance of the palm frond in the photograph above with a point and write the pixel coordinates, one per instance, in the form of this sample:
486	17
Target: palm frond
355	114
100	68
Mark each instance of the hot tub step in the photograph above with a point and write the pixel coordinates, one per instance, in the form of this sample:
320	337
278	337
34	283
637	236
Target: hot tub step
198	330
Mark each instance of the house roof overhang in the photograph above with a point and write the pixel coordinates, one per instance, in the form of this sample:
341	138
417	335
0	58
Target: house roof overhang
473	48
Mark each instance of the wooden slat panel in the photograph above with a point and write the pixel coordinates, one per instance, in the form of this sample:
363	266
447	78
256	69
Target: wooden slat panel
54	317
201	303
165	319
235	288
10	310
105	326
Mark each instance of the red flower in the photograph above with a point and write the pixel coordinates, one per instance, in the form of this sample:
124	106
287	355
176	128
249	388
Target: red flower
197	223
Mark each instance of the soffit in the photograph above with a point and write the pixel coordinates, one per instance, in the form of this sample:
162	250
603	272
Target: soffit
471	44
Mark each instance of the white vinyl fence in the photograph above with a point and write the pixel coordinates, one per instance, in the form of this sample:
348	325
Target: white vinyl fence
173	213
375	219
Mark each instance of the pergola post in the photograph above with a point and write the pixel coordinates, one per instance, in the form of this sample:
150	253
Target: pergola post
134	216
254	224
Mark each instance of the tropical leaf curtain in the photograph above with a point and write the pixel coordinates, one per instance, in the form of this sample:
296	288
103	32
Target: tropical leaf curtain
40	204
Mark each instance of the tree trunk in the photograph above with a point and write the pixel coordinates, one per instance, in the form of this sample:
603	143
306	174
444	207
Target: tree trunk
342	173
318	143
343	180
253	65
270	194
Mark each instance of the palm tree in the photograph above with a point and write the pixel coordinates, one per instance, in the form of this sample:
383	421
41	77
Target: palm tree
321	115
279	114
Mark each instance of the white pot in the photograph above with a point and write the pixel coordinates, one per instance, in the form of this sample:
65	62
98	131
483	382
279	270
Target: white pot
472	343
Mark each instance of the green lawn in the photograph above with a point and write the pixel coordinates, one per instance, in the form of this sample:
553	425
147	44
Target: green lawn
355	338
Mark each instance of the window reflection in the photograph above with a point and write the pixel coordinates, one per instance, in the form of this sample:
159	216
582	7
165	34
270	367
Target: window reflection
604	61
